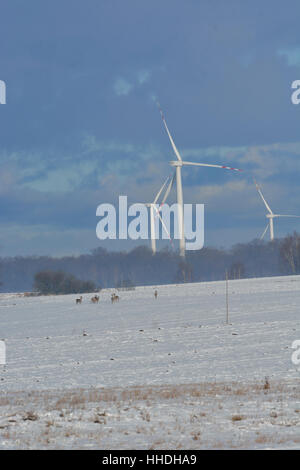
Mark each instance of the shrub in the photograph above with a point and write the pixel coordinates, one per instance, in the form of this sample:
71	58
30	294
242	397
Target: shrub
58	282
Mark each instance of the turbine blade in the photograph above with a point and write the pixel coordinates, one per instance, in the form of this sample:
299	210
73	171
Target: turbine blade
160	191
167	191
264	232
224	167
168	132
163	224
261	195
286	215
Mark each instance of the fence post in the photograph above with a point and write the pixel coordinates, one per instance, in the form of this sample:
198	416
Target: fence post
227	307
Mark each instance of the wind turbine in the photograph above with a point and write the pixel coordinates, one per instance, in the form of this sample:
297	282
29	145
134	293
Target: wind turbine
155	211
178	164
270	215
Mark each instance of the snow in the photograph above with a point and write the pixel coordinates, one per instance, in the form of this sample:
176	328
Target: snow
164	373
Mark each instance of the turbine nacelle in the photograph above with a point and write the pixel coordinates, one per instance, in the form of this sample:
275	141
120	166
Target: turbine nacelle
271	216
176	163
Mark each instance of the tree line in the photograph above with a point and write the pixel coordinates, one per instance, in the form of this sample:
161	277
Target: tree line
139	267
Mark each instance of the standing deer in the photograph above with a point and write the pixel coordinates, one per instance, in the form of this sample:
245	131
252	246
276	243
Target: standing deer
78	301
114	298
95	299
155	294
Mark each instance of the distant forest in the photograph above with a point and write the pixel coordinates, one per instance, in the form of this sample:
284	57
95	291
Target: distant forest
140	267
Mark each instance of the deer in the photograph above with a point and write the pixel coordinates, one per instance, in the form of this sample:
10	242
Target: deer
78	301
155	294
95	299
114	298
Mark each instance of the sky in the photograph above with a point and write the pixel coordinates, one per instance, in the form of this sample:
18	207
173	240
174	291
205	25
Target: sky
80	125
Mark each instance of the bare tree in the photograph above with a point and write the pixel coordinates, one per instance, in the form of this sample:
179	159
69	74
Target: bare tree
290	253
237	270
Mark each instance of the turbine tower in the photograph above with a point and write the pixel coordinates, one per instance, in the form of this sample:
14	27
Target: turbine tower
270	216
178	164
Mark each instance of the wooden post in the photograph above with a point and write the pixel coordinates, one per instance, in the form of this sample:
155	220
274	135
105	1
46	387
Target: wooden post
227	309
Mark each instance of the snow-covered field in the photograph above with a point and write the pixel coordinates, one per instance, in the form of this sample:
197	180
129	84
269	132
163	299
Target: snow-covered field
145	373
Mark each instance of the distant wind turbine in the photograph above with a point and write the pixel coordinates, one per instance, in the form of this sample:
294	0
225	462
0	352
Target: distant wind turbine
154	211
178	165
270	216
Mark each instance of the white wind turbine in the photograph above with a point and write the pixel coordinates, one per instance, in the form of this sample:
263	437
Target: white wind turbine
270	215
154	210
178	164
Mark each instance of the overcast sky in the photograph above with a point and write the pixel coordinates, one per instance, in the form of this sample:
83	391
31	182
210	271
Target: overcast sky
81	126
